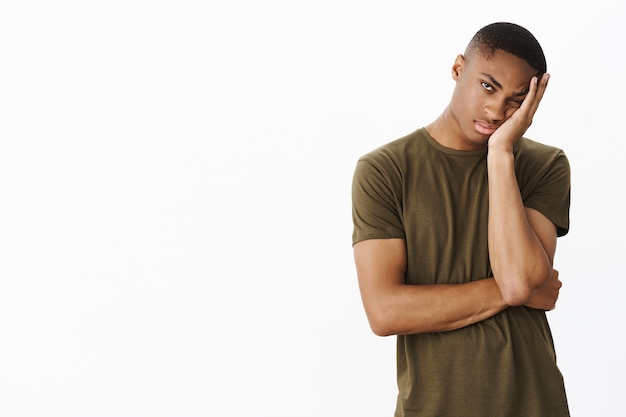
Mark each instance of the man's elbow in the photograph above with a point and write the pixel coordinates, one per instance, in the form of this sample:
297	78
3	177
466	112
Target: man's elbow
382	331
381	323
518	291
515	295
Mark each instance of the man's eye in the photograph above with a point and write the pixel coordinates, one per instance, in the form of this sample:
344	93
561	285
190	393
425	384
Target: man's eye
486	86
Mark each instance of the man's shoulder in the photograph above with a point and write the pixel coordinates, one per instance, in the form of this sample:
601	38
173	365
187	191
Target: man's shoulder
396	150
530	147
533	157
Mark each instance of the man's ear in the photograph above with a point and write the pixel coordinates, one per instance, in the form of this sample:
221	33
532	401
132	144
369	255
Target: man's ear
458	67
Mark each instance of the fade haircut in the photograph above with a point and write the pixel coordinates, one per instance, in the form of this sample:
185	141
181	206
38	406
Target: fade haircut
510	38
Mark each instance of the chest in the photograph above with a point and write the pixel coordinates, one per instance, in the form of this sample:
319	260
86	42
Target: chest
445	215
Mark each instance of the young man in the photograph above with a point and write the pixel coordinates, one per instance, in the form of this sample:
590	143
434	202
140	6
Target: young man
455	229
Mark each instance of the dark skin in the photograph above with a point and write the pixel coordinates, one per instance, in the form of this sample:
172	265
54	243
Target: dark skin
492	106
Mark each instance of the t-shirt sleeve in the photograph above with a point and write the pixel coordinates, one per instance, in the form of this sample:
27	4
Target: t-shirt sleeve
551	196
376	202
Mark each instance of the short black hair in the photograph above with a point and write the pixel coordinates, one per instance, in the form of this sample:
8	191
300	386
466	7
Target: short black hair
510	38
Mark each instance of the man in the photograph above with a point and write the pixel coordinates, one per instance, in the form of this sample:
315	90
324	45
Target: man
455	229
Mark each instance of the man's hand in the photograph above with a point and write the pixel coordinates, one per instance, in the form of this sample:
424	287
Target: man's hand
544	297
507	135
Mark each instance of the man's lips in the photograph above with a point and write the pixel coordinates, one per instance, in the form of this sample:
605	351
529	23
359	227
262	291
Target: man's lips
484	128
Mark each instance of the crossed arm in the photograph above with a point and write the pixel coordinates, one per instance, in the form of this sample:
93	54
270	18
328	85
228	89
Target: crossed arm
393	307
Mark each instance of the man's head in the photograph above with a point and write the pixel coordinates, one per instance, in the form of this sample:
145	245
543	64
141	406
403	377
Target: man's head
492	80
511	38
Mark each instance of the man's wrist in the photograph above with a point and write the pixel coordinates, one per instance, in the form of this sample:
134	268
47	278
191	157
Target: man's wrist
499	148
500	155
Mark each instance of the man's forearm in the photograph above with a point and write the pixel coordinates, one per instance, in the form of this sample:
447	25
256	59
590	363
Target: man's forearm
411	309
519	261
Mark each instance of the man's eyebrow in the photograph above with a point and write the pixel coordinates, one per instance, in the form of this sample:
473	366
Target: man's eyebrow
497	84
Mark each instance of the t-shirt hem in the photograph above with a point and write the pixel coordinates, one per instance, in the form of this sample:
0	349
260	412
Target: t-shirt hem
361	235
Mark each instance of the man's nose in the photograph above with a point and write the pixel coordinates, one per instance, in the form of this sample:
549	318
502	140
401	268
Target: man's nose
495	110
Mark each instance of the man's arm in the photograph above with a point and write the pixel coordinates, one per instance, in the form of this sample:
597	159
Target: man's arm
522	241
393	307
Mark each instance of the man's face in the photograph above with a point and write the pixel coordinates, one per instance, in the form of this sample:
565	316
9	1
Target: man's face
487	93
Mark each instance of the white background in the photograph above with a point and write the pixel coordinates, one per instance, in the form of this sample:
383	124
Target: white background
175	198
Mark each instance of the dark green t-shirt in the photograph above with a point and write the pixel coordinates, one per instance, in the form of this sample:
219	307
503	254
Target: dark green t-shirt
436	199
